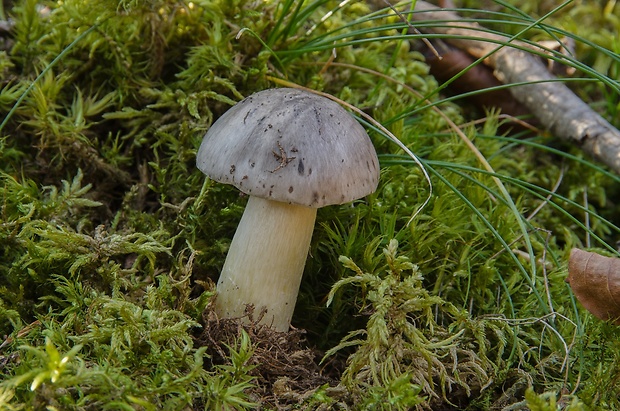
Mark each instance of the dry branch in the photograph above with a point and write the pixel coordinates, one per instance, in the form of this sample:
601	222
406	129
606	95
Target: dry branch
556	107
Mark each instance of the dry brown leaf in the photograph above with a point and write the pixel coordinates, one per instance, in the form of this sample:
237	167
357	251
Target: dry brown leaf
595	280
476	78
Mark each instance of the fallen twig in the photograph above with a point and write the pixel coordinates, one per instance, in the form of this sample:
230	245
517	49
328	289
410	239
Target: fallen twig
556	107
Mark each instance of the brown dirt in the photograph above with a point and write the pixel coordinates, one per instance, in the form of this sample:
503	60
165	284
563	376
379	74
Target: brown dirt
287	370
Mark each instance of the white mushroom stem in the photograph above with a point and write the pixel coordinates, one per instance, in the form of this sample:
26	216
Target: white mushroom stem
265	261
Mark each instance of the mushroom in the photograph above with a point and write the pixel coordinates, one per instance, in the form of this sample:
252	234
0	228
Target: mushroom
292	152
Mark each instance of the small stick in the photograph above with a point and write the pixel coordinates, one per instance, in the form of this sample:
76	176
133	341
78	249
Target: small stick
556	107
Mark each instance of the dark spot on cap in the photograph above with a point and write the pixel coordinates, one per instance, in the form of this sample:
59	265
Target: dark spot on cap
309	171
252	164
232	169
315	197
300	167
290	189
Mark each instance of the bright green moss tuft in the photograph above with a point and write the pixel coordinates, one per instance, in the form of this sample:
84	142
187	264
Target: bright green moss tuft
111	239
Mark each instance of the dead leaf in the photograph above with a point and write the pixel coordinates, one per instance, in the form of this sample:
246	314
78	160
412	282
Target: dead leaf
476	78
595	280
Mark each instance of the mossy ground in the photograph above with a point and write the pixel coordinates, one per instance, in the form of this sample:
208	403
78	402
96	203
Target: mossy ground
111	239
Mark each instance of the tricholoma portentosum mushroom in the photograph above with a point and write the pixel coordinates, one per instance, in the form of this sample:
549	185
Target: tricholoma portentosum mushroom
292	152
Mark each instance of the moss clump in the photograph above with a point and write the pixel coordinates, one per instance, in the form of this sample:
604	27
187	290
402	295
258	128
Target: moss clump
404	347
110	239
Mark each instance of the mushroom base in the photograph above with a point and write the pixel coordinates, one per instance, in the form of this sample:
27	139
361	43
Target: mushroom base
265	262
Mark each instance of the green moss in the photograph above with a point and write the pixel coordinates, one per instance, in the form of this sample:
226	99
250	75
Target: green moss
111	239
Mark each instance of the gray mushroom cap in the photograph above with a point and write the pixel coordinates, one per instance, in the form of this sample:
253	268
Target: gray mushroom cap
291	146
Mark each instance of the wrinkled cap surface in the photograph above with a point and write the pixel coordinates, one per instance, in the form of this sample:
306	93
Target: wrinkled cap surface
292	146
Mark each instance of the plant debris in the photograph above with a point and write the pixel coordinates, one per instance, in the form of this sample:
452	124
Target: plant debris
595	280
286	369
